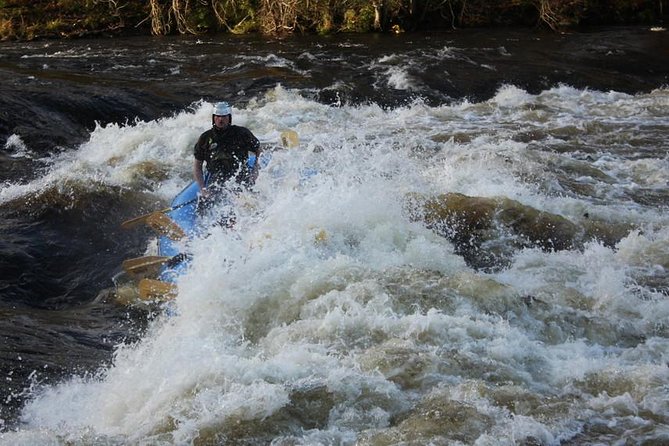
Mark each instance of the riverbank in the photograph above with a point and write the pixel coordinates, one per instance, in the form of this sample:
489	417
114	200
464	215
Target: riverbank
48	19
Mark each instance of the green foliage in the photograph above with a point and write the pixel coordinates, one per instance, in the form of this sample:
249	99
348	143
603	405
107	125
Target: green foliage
236	16
202	19
624	11
325	25
54	25
320	16
361	20
28	19
366	17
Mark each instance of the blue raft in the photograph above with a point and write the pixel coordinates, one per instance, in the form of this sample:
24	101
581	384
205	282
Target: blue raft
184	214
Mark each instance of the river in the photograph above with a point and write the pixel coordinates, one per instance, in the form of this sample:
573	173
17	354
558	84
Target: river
482	257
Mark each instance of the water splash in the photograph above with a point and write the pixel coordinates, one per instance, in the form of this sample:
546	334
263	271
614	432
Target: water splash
332	315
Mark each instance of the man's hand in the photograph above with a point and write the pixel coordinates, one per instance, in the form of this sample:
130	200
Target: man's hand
254	175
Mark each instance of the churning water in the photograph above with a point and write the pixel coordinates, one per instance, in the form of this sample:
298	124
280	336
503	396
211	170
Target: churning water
488	271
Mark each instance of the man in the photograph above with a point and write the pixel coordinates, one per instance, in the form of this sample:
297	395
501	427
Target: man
225	150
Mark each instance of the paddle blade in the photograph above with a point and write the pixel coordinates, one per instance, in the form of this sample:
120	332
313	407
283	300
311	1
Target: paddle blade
289	139
141	219
150	289
164	225
144	264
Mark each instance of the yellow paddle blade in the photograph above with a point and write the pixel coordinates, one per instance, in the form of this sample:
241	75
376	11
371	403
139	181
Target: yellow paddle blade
289	139
142	264
164	225
150	289
321	237
141	219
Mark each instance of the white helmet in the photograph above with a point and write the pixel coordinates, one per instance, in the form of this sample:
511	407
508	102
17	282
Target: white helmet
222	109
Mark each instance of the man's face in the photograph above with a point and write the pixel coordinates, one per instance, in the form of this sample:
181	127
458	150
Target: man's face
221	121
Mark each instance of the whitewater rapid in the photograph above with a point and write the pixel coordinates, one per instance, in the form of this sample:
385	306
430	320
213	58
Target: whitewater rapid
334	315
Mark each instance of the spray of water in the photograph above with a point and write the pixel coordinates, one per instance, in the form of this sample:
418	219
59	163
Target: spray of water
331	315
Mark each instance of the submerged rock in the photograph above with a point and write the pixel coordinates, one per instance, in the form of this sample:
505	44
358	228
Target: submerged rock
486	230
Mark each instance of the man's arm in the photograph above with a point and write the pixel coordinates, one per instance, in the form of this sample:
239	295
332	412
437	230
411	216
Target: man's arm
256	166
253	145
198	174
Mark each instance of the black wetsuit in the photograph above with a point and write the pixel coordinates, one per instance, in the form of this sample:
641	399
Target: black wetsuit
225	153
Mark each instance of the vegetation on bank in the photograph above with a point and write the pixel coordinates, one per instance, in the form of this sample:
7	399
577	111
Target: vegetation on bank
30	19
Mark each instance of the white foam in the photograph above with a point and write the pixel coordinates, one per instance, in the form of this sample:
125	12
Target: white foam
308	287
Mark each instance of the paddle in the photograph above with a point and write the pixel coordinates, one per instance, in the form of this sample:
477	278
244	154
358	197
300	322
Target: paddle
140	265
142	218
164	225
289	139
150	289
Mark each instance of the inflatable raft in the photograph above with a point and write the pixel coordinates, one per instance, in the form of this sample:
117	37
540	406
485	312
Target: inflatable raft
175	225
184	213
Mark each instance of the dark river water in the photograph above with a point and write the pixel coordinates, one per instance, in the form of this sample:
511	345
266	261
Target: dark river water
483	257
